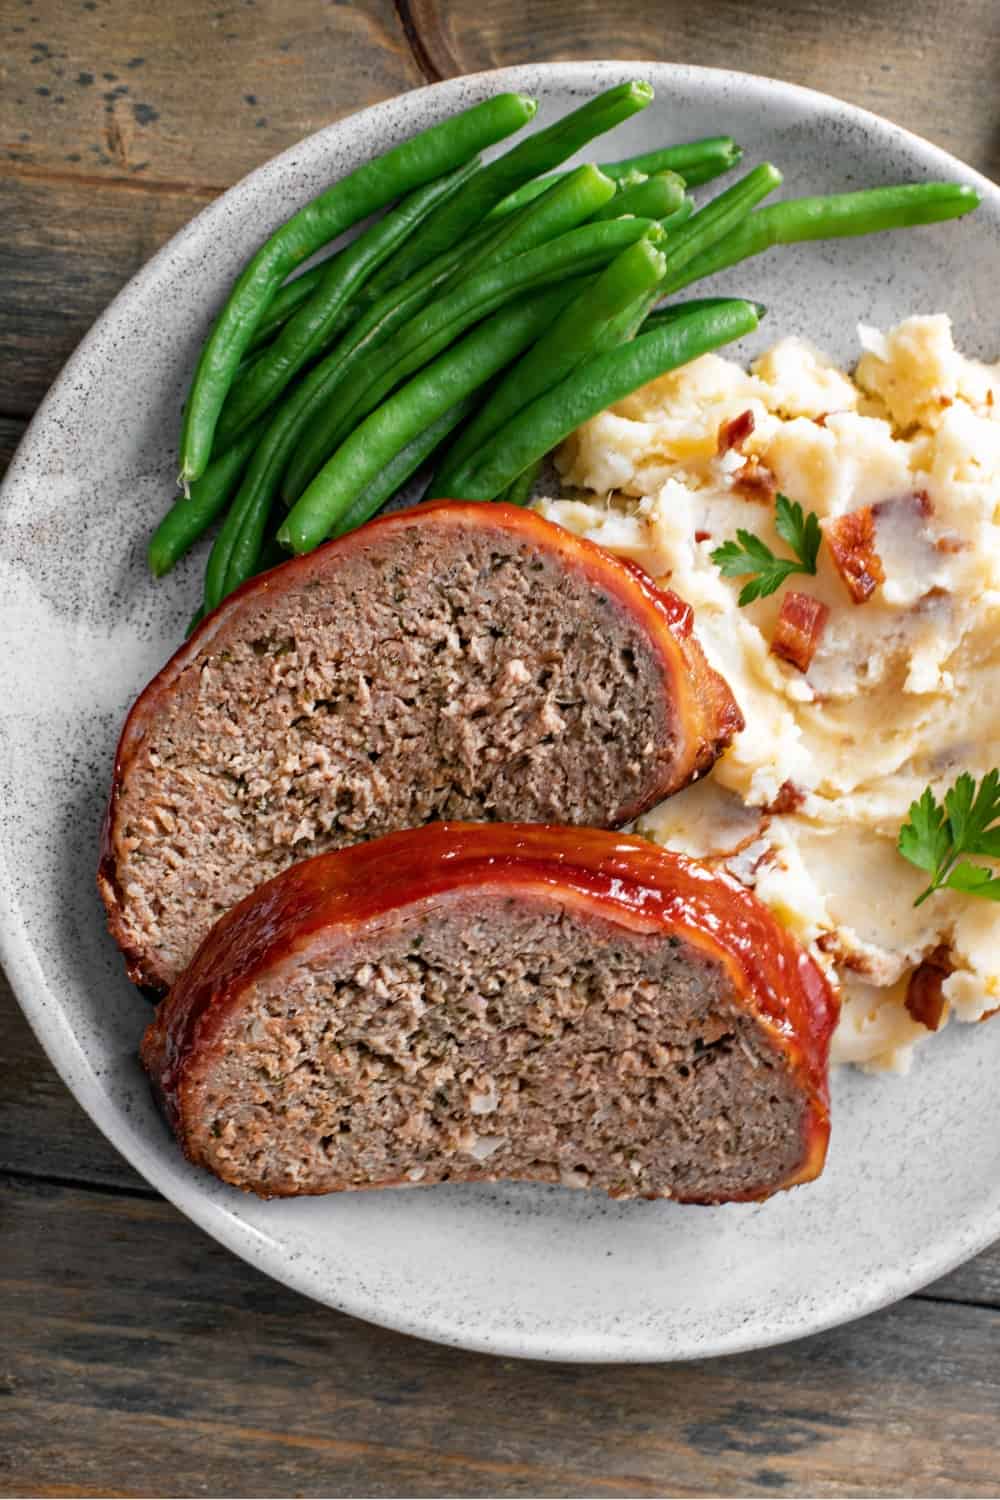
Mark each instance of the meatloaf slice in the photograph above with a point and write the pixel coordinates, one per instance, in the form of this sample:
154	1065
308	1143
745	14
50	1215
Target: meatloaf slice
466	1002
453	661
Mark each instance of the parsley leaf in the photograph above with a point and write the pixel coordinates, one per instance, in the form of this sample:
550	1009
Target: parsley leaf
803	535
925	840
937	836
748	554
974	880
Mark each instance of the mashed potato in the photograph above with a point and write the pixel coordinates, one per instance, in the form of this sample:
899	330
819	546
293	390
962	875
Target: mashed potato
903	690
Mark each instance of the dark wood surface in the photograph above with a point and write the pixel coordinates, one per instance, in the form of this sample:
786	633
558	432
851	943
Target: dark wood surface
136	1356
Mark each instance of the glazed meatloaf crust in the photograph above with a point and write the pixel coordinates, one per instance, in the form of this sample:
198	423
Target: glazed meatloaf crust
452	661
466	1002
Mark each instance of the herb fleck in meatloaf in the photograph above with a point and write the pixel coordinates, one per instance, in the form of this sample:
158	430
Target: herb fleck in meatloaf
467	1002
452	661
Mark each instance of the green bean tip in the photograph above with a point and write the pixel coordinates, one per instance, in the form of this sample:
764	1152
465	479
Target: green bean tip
642	90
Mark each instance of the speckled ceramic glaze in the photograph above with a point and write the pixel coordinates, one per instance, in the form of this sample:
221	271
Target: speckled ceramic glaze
913	1183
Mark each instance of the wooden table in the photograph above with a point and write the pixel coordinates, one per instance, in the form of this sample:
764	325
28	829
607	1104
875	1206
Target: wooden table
136	1356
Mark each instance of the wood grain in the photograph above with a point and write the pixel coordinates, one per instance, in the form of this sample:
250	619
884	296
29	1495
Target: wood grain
100	164
166	1368
11	432
43	1131
187	94
931	65
67	249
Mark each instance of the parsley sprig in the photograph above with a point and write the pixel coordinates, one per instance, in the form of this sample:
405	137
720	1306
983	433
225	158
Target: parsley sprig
748	554
937	837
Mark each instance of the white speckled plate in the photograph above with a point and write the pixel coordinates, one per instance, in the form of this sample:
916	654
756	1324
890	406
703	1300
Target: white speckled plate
913	1183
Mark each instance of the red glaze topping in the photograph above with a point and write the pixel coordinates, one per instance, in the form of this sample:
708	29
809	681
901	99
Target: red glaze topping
625	880
851	540
675	612
798	630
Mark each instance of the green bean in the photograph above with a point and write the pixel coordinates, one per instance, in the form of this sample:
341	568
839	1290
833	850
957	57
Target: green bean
656	197
463	368
384	315
524	195
575	200
311	328
718	218
191	515
365	190
576	253
593	386
591	322
538	153
697	162
248	497
631	179
285	301
833	217
250	359
661	316
399	469
521	489
580	194
252	552
346	369
379	317
715	219
583	191
674	221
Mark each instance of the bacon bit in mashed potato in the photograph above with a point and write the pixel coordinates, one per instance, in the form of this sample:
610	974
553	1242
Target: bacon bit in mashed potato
925	990
733	434
798	630
851	540
755	481
789	799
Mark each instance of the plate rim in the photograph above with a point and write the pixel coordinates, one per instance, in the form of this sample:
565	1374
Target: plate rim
56	1035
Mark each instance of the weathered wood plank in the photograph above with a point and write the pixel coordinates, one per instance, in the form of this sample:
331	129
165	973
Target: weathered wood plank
931	65
100	161
138	1355
11	432
976	1283
186	94
43	1130
65	252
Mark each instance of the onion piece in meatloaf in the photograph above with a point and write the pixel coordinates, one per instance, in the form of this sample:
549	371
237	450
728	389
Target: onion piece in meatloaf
466	1002
457	660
